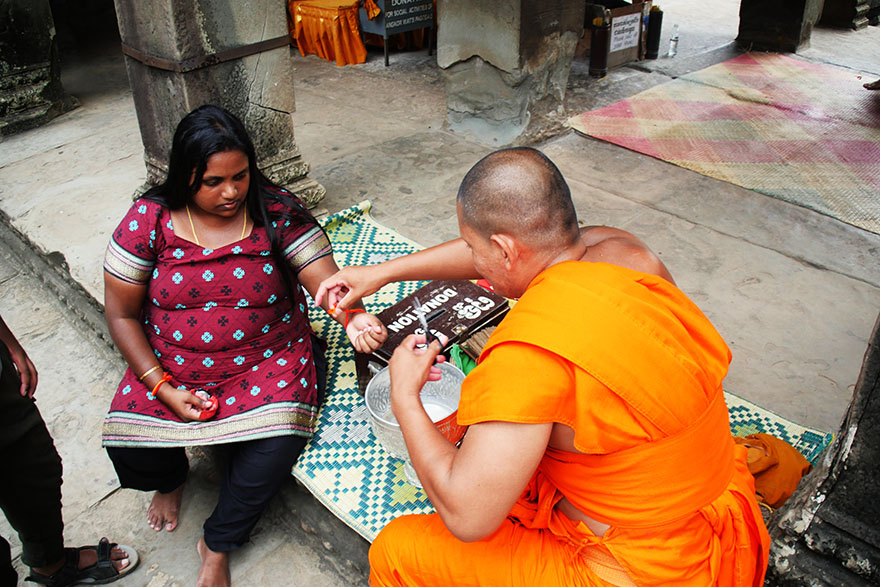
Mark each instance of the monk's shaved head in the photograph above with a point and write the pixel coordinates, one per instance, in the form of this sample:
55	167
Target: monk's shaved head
519	192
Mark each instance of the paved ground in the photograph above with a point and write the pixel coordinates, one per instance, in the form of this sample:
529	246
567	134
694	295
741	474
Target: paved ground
793	292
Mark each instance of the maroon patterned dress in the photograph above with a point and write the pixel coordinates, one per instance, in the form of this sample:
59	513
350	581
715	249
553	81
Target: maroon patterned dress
220	320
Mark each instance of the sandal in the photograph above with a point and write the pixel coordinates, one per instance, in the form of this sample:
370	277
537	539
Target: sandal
100	573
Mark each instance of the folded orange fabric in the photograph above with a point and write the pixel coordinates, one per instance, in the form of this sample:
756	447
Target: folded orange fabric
372	9
776	465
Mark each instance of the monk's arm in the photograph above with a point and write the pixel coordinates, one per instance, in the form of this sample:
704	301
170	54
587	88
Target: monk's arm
619	247
473	487
450	260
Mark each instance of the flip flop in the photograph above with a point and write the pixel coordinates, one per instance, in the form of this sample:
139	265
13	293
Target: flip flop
100	573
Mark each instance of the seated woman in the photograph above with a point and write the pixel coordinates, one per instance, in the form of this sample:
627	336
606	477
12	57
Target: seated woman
203	292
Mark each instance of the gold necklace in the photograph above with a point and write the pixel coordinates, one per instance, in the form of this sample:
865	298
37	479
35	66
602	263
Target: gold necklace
193	228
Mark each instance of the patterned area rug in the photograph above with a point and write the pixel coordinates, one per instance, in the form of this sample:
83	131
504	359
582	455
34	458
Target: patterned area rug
345	468
805	133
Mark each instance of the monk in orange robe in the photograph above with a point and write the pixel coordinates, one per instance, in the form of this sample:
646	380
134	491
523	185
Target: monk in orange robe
599	450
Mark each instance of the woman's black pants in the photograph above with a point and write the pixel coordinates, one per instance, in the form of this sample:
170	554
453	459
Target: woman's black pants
253	473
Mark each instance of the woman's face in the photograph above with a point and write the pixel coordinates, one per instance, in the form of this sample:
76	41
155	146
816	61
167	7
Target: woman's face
224	184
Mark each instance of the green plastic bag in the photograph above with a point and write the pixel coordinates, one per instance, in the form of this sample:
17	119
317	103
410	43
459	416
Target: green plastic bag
461	359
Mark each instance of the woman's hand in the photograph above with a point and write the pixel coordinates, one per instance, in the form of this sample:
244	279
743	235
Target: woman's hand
184	403
365	331
347	286
411	367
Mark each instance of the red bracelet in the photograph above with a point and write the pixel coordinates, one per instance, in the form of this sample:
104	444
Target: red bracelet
348	314
165	377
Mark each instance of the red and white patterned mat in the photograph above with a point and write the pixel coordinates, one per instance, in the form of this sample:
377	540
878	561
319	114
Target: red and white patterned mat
798	131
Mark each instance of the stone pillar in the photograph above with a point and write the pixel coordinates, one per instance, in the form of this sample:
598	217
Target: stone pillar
828	533
777	25
181	54
30	68
855	14
507	64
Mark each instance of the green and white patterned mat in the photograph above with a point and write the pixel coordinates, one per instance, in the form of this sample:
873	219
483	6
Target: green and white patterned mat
346	469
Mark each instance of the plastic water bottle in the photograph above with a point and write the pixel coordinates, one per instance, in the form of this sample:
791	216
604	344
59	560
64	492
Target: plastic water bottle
673	42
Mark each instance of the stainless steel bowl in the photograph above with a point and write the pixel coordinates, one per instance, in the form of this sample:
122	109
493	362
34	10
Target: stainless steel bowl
440	399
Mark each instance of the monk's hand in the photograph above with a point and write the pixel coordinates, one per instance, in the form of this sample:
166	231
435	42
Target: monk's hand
345	287
366	332
411	366
185	404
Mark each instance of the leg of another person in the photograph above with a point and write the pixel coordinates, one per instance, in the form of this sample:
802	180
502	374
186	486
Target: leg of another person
419	550
162	470
30	496
8	576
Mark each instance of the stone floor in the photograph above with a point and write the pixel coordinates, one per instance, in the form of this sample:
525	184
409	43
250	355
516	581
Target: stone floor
793	292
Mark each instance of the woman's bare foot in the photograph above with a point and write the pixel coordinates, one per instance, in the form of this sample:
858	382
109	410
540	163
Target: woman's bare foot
215	567
164	510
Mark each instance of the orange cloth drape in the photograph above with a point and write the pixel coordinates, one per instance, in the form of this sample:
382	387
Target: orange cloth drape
328	29
372	9
635	369
777	466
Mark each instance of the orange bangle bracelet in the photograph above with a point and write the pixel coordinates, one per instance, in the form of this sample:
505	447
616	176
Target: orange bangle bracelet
165	377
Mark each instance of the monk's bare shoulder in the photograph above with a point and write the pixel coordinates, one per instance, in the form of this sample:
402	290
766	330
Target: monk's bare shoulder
619	247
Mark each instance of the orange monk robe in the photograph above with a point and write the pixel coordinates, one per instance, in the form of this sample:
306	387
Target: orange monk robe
629	363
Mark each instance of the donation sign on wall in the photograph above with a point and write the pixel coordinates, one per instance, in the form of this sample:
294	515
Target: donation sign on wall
625	31
407	15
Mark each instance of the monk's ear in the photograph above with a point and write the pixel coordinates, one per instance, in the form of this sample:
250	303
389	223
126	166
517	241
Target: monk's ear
509	248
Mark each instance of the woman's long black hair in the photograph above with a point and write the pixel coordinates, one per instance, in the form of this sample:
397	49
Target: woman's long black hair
208	130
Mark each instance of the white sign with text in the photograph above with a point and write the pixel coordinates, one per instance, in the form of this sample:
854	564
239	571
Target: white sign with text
625	31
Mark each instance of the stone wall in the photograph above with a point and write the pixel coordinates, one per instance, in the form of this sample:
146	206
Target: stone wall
828	533
30	68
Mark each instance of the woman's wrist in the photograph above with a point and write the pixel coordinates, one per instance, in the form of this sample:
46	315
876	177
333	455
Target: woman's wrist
158	394
151	380
152	369
158	381
350	313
